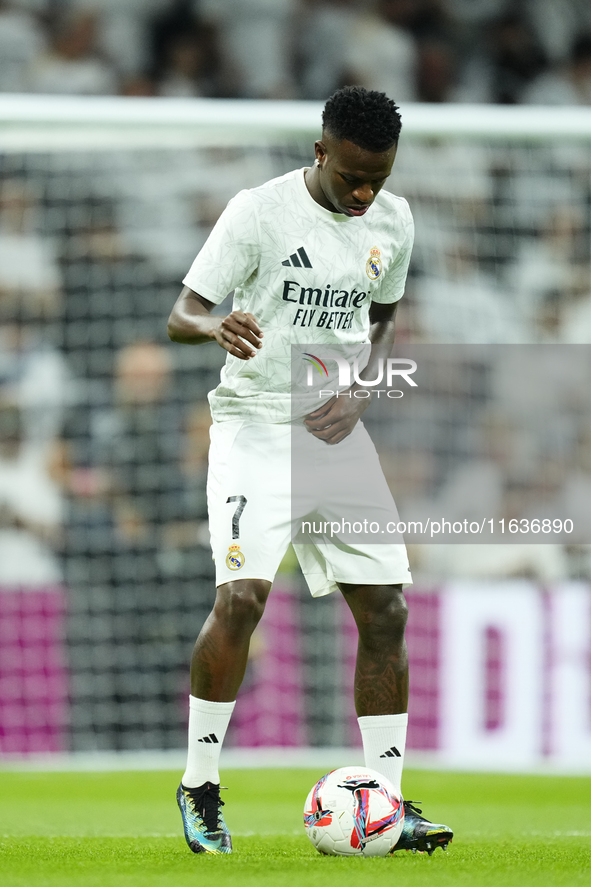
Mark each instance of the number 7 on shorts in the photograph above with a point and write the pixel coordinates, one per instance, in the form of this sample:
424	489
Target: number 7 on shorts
237	514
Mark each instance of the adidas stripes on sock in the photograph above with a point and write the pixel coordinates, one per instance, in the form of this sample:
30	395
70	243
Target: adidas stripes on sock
208	722
384	742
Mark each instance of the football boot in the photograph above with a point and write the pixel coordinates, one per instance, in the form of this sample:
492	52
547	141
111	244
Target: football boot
203	821
418	834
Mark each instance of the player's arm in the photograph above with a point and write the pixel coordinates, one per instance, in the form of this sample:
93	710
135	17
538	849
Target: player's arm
191	323
381	320
381	332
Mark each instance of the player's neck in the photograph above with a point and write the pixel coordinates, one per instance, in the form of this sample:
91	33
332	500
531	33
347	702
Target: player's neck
312	180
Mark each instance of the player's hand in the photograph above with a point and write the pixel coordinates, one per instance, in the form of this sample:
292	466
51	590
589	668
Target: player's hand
240	335
336	419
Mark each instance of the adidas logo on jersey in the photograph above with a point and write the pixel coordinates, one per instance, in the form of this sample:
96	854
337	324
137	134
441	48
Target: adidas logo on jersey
298	259
391	753
211	738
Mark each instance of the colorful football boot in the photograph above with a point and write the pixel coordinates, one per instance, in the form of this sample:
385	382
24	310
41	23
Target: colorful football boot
418	834
203	821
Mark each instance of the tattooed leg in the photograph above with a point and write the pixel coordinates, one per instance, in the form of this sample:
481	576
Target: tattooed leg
381	673
221	650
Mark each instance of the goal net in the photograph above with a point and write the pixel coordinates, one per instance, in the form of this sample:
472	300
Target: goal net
105	570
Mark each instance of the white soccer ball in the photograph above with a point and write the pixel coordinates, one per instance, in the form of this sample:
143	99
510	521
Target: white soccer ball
353	811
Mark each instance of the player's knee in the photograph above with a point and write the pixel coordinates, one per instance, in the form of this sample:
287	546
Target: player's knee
397	614
241	604
385	618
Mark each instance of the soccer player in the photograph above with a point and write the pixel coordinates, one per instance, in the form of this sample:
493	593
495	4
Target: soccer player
319	255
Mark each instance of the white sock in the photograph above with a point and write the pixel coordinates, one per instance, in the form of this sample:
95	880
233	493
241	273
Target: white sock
208	722
384	741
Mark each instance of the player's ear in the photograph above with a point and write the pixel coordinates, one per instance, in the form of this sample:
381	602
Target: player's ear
319	151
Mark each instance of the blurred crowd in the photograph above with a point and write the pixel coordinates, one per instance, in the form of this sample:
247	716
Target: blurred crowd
504	51
500	438
103	454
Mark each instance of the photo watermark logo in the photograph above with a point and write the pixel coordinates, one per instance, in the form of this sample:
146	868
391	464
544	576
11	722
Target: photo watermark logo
349	373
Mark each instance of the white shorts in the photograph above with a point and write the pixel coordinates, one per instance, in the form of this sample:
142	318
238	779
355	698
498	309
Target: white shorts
250	507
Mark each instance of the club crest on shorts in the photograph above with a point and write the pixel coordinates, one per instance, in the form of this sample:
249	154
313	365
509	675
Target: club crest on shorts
234	559
373	266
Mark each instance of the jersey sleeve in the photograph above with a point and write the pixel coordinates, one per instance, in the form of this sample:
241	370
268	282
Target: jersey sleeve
231	253
391	288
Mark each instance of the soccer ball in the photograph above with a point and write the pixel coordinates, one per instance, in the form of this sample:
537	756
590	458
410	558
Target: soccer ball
353	811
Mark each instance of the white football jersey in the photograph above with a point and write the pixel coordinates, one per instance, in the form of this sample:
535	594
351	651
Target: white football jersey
306	274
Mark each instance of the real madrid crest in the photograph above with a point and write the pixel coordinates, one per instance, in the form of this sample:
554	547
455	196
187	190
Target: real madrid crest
373	266
234	559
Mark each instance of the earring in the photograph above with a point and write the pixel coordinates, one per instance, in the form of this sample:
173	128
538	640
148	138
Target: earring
317	163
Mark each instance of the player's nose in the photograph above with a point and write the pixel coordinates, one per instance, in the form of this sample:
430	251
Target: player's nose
364	194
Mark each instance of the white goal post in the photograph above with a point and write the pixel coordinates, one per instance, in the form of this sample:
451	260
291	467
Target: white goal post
208	120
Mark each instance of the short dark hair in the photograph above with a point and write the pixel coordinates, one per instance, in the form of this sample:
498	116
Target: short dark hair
365	117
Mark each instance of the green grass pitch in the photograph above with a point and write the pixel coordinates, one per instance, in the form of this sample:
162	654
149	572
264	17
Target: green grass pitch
124	830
